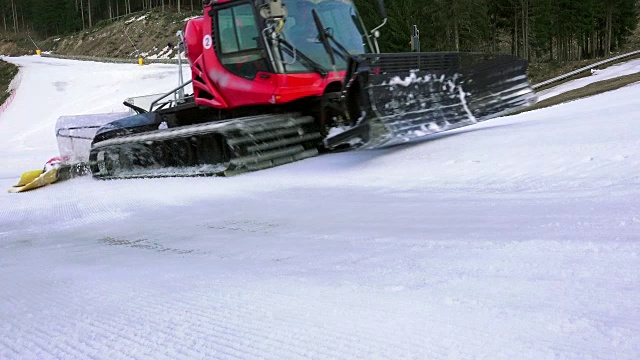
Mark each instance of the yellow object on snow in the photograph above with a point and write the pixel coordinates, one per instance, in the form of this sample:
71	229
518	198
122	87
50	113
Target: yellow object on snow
28	177
34	179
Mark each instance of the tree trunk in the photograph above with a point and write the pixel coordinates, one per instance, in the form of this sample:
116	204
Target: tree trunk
608	31
82	12
528	13
525	30
456	35
515	34
15	17
89	12
456	25
449	41
561	53
494	35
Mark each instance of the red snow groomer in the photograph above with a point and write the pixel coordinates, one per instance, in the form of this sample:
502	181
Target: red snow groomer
275	81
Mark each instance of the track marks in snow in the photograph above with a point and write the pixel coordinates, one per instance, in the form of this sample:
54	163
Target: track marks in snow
60	86
330	298
154	312
146	245
519	242
243	226
192	325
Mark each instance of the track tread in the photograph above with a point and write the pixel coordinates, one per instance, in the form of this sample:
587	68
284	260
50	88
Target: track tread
239	145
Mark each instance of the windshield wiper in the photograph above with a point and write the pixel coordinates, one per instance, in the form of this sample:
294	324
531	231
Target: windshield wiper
314	65
345	53
322	34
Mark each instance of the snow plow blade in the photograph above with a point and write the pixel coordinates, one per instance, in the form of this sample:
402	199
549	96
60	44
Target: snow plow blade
409	96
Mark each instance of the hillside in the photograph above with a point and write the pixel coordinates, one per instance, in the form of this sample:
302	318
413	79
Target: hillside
7	72
148	34
144	34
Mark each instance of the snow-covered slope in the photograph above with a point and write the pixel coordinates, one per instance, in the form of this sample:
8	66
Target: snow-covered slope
517	238
614	71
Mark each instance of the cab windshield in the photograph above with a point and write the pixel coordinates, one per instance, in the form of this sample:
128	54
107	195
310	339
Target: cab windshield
339	18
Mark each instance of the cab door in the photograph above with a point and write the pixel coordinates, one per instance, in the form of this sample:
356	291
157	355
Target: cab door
246	74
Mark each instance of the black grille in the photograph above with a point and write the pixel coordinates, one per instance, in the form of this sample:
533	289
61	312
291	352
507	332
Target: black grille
444	62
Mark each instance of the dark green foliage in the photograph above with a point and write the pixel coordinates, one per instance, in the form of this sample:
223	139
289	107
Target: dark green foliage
58	17
535	29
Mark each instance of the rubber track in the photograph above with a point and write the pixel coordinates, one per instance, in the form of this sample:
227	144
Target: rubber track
243	144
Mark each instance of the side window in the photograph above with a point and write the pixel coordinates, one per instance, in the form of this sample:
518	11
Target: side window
240	51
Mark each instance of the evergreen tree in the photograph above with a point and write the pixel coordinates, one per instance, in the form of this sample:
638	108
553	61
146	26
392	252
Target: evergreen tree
534	29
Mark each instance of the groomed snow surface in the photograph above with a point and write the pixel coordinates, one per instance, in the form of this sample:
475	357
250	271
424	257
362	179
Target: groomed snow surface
515	239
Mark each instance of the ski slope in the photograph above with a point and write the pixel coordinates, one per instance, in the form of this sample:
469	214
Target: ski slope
610	72
515	239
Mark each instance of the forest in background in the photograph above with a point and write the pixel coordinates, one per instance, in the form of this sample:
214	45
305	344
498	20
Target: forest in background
60	17
539	30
